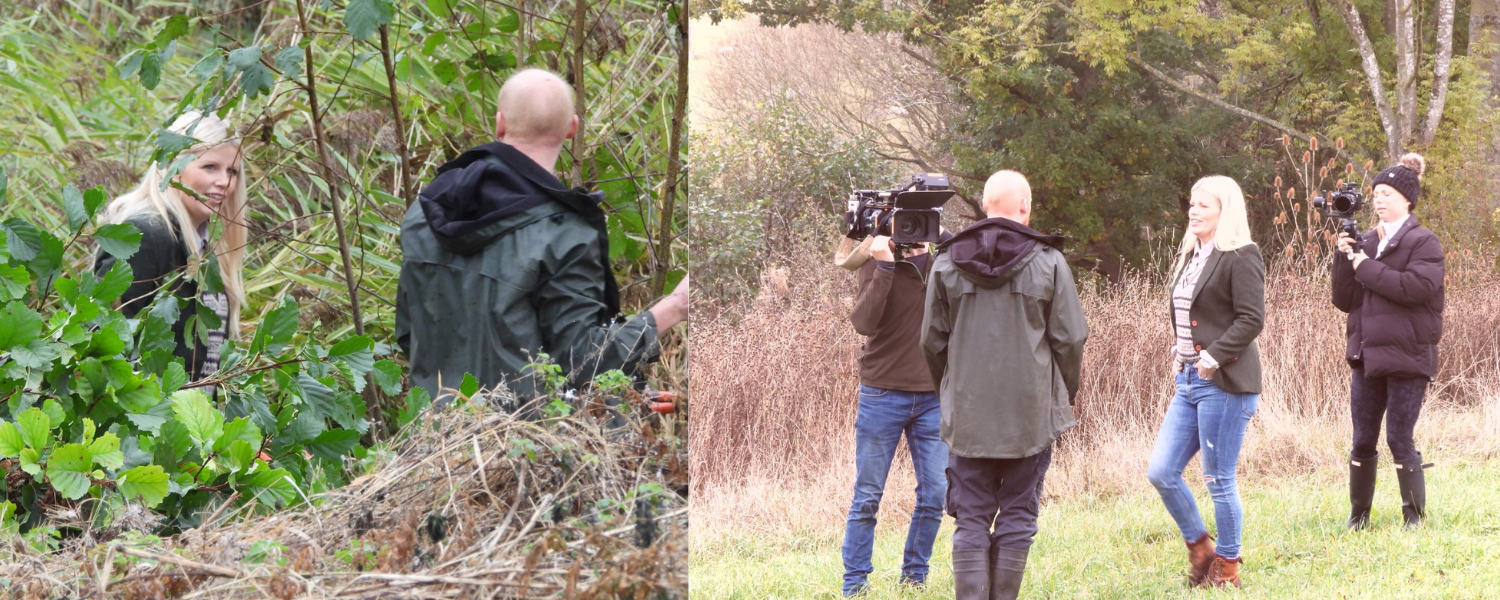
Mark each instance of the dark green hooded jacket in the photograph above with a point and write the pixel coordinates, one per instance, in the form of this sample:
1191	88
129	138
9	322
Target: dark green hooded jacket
502	262
1003	336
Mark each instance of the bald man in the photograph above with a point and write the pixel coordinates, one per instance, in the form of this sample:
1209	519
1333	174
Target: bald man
502	262
1003	337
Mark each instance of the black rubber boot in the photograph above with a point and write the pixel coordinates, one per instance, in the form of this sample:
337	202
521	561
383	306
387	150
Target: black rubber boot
1006	573
1361	490
1413	492
971	574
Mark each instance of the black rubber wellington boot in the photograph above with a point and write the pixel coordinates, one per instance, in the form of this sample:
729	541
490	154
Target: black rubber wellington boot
1413	486
1361	490
971	574
1006	573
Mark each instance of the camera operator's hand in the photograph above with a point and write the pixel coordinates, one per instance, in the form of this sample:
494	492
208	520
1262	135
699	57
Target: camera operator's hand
1346	243
1358	257
882	249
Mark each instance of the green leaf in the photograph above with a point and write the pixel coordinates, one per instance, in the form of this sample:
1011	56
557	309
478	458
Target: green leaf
23	239
241	455
308	425
108	342
36	428
167	308
253	404
446	71
440	8
153	419
13	282
509	22
168	145
388	377
203	422
173	378
4	184
147	482
244	58
208	64
256	80
73	207
289	62
93	200
37	354
31	462
363	17
277	329
130	64
357	353
469	387
11	443
142	398
156	337
68	470
332	444
151	69
272	487
238	429
174	27
121	240
55	413
115	282
106	452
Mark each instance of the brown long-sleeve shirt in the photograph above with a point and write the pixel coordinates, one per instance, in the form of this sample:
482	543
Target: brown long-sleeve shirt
889	311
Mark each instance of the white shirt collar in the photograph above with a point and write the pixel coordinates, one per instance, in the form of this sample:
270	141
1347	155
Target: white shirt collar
1392	228
1203	250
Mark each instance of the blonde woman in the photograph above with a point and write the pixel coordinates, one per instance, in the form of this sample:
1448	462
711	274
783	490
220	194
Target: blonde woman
1218	308
175	232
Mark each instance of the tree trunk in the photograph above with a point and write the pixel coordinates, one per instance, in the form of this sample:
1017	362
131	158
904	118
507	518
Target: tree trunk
1406	73
1440	70
1371	67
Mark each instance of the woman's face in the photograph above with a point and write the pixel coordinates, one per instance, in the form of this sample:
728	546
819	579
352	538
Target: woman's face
1203	215
214	175
1389	204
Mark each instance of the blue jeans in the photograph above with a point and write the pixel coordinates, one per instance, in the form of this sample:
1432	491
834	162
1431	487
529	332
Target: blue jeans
884	415
1202	416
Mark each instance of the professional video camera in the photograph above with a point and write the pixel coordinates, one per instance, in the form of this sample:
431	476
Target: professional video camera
1342	204
910	215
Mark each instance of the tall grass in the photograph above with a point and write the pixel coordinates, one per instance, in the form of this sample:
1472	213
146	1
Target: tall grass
775	392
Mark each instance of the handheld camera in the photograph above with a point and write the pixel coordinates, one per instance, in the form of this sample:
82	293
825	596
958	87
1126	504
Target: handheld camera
1342	204
909	215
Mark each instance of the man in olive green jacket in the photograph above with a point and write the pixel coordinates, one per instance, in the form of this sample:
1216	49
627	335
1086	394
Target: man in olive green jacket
502	262
1003	337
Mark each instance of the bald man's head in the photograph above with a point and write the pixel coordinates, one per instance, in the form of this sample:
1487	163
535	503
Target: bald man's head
1008	194
535	106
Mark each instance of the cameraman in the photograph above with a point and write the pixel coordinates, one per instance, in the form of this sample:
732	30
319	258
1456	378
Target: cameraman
895	397
1391	284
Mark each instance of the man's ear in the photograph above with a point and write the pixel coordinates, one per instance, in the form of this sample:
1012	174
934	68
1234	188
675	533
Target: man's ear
499	125
572	129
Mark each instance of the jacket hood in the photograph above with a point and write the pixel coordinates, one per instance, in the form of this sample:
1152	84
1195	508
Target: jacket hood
993	250
471	193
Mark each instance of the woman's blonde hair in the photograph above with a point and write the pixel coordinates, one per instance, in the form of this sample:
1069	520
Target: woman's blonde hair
153	197
1233	230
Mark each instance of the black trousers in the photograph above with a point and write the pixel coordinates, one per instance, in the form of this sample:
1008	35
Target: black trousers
1397	400
995	501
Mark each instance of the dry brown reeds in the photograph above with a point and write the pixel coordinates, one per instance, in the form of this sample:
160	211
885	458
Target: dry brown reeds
472	503
775	392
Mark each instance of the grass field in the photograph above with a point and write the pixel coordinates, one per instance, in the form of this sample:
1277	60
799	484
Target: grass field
1295	546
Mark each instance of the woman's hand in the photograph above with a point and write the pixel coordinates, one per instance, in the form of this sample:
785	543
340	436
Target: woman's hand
1206	373
1358	257
1346	243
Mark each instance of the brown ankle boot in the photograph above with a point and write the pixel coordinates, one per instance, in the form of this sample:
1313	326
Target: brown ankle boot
1200	556
1223	572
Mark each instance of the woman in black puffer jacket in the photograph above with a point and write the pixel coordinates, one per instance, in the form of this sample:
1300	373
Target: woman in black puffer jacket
1391	284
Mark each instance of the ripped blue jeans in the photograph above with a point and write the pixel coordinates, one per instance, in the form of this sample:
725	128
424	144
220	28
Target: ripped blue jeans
1203	417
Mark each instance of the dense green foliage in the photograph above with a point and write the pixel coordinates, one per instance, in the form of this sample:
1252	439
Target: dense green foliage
344	109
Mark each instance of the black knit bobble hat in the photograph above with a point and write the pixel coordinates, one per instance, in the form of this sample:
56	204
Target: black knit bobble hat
1405	177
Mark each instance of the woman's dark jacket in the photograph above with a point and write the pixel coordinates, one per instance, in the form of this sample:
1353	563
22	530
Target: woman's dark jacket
1228	311
1394	301
162	257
